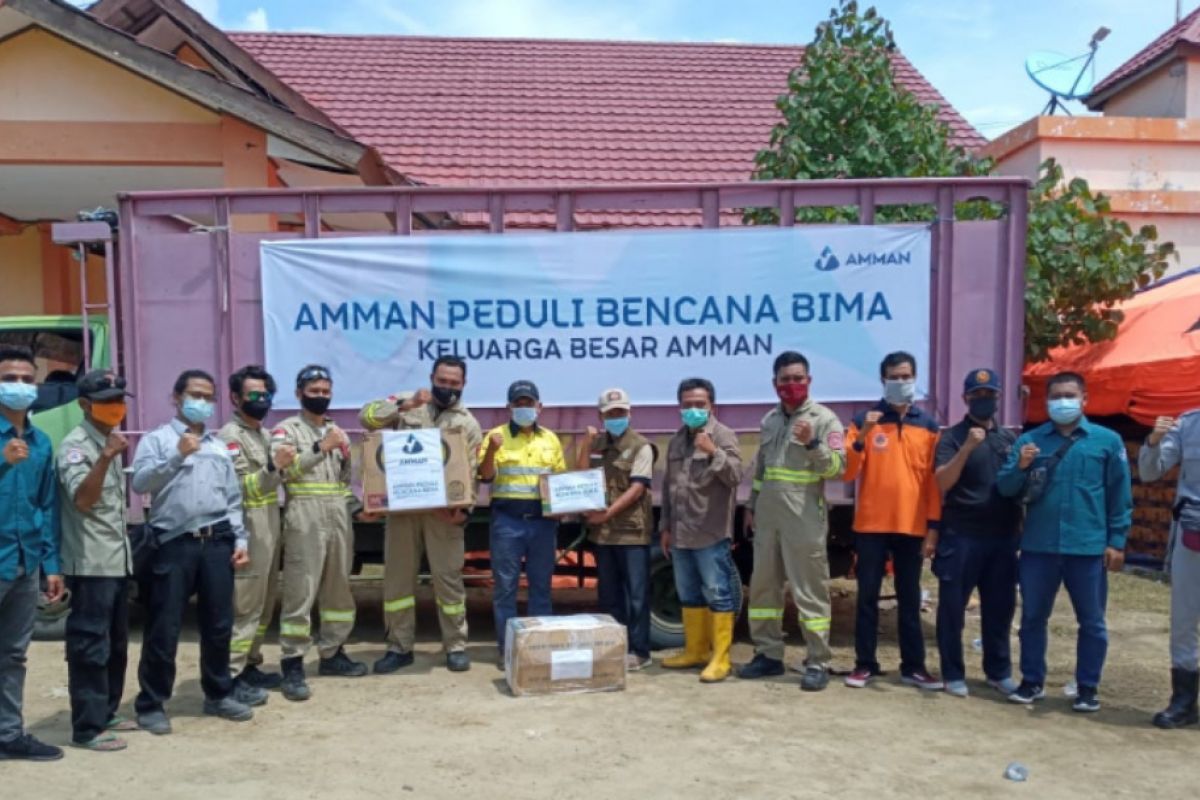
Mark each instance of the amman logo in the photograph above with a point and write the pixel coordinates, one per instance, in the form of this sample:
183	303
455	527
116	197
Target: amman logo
828	261
412	446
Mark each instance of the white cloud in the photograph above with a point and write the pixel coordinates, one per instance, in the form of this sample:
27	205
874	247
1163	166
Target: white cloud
256	20
209	9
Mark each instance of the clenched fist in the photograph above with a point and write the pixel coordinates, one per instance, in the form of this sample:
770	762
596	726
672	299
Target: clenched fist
974	438
114	445
333	439
803	431
285	455
1028	453
705	444
496	441
188	443
15	451
1161	426
871	420
422	397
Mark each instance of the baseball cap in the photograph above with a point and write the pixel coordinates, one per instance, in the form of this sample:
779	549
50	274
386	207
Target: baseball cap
613	398
101	385
981	379
523	389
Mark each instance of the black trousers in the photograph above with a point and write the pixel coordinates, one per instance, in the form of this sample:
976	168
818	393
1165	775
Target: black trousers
183	567
97	652
873	551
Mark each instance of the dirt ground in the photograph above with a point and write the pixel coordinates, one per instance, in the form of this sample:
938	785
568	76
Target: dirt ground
430	733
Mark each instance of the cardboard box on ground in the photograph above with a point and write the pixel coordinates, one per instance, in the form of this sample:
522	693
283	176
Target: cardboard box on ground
456	471
564	655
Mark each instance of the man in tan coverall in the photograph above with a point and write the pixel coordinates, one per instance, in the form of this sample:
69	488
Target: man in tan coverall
801	447
318	538
438	533
256	587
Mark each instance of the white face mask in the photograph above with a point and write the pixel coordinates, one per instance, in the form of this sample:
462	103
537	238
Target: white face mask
900	393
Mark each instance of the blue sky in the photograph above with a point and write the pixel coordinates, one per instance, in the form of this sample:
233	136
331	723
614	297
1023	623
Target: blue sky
972	50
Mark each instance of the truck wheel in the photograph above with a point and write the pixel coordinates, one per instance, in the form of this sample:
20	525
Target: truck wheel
666	618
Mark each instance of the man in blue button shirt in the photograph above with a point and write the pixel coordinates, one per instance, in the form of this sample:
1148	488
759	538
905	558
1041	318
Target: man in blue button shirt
28	544
1073	478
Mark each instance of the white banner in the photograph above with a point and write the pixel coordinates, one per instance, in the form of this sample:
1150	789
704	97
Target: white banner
579	312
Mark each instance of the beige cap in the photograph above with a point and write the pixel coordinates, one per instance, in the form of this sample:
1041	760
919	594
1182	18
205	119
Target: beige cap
613	398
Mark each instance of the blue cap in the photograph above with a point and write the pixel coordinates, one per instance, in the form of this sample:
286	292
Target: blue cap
522	389
981	379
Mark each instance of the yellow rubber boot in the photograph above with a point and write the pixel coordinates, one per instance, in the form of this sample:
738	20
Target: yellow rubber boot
722	638
697	644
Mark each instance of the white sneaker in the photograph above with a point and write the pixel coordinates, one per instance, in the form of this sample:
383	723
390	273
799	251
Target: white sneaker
957	688
1005	686
635	663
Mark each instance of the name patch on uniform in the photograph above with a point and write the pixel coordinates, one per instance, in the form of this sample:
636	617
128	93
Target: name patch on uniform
834	440
74	456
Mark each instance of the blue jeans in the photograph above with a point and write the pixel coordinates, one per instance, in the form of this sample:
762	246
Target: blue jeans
515	539
623	575
707	577
18	608
964	563
1087	585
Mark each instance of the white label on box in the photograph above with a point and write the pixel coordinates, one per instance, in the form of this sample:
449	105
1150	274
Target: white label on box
415	469
573	492
566	665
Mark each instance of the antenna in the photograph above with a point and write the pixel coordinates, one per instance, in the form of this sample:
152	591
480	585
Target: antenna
1065	77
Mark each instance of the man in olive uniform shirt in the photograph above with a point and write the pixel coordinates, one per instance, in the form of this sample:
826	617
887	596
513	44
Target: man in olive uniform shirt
97	562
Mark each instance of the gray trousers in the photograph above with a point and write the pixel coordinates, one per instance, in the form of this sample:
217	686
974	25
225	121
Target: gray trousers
1185	606
18	609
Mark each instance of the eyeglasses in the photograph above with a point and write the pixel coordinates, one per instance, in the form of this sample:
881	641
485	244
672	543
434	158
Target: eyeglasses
310	374
259	397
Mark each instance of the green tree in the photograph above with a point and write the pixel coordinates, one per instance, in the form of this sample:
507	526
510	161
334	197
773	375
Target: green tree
844	116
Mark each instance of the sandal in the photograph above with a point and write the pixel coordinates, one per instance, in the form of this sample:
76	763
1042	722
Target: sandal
103	744
119	723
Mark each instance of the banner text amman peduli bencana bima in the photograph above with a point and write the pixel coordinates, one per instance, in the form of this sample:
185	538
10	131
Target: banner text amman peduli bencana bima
579	312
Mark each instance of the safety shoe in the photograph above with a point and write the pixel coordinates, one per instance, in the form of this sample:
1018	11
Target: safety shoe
340	665
228	708
1027	693
1087	701
1182	710
860	677
27	748
957	689
294	686
761	666
457	661
248	695
252	675
922	680
391	662
1004	686
154	721
815	679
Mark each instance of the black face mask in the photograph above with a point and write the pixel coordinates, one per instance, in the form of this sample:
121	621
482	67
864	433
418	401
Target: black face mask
982	408
256	409
445	397
314	405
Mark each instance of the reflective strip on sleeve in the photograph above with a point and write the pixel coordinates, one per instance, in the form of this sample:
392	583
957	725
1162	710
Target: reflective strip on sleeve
294	629
262	630
261	502
399	604
784	475
453	609
817	624
241	645
250	486
756	485
766	613
835	465
334	615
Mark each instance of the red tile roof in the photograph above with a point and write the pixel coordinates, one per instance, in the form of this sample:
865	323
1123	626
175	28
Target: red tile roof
1186	32
505	111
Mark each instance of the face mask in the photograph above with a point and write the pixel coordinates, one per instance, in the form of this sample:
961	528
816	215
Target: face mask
445	397
617	427
792	394
256	409
195	410
524	417
982	408
694	417
899	393
1065	410
315	405
17	396
108	414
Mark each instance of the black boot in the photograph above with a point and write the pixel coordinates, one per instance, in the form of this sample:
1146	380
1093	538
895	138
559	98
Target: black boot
294	687
1185	685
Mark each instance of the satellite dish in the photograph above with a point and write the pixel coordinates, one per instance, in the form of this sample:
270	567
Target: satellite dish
1065	77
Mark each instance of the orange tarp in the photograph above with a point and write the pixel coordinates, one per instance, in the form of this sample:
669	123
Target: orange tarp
1152	367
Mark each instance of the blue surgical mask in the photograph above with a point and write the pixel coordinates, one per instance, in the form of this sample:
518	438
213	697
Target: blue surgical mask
900	393
195	410
616	427
694	417
1065	410
525	417
16	395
